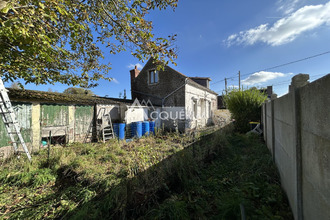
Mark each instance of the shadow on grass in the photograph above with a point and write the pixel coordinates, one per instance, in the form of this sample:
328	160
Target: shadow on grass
208	179
133	197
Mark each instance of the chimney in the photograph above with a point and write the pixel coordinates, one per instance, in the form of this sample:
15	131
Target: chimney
134	73
269	91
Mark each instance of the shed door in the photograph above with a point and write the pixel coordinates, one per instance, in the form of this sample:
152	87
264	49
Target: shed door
54	115
83	119
24	118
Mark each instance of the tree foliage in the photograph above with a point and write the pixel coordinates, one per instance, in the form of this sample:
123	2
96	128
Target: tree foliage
78	91
245	106
59	40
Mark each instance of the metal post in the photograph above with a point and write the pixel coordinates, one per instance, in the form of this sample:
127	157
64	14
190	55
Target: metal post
49	143
239	80
226	85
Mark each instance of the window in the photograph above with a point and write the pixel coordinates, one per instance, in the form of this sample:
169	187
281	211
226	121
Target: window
195	108
153	76
203	108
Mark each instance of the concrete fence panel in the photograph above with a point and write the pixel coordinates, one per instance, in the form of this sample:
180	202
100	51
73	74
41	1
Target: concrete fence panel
297	132
315	141
285	154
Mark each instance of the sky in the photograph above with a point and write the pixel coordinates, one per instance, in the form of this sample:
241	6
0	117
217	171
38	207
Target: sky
267	41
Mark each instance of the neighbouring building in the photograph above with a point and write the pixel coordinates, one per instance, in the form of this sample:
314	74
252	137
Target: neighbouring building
221	102
175	94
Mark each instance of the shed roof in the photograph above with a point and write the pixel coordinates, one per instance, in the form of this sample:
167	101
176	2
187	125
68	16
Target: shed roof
56	97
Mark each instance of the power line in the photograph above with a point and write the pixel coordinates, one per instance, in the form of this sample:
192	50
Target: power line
312	78
277	66
289	63
218	81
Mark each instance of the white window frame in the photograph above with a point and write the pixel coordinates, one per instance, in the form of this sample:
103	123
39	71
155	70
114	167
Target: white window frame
153	77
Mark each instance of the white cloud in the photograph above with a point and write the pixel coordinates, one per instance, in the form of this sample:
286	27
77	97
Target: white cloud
285	29
287	6
261	77
132	66
115	81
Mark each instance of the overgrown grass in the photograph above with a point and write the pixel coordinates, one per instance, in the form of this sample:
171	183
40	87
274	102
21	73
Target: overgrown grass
156	177
76	174
242	175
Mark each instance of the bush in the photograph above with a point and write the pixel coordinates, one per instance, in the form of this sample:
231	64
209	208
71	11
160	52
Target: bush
245	106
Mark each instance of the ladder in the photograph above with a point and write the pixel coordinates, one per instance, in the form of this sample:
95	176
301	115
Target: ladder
105	127
107	131
10	122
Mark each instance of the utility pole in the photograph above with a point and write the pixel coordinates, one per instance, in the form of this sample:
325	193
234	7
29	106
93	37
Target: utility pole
239	80
226	85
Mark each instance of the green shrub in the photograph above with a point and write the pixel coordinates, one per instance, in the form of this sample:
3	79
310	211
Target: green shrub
245	106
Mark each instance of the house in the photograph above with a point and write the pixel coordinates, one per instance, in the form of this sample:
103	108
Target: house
175	95
204	81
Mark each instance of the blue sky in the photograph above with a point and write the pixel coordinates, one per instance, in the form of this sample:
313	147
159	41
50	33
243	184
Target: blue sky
217	39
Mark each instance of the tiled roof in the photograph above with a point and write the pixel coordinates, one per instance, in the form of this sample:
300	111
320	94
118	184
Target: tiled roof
193	83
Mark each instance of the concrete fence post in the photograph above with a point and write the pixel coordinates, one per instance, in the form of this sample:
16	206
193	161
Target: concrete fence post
263	120
298	81
273	129
265	125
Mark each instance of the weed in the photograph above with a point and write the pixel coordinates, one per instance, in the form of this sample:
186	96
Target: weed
172	208
157	177
240	175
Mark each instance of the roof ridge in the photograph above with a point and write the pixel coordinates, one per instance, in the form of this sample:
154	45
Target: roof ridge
193	82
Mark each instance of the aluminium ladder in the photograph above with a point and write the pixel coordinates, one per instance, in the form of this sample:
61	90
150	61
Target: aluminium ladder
104	128
10	122
107	131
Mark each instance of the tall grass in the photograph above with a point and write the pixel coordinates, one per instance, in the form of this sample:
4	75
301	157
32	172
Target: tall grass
242	173
245	106
141	179
88	181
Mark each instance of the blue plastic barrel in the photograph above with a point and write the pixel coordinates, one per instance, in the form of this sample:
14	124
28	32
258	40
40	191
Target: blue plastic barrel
115	127
121	130
133	129
151	127
136	129
145	128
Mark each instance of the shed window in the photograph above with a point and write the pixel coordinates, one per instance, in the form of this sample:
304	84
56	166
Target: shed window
153	76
